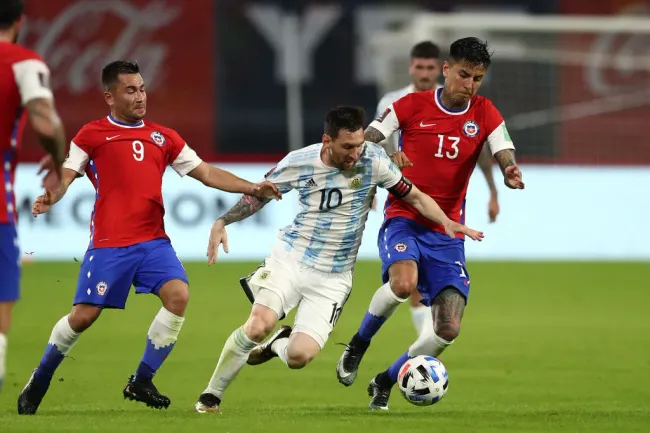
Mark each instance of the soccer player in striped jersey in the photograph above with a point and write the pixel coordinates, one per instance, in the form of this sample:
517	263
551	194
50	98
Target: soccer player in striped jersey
311	265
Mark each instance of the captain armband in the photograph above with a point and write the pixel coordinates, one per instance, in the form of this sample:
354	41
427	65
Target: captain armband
402	188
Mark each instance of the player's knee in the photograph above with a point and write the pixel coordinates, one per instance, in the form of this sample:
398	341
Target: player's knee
297	358
175	296
403	285
83	316
259	326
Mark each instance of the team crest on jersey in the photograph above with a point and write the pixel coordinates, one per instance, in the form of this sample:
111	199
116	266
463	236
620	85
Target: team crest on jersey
400	247
355	183
101	288
470	128
158	138
263	275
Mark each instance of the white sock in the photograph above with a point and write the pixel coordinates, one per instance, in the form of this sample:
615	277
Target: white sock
3	356
428	344
422	317
384	302
233	357
165	328
279	347
63	336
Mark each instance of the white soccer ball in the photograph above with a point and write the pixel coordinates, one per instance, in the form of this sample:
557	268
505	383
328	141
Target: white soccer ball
423	380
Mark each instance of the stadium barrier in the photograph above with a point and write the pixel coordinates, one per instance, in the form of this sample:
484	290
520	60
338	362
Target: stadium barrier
565	213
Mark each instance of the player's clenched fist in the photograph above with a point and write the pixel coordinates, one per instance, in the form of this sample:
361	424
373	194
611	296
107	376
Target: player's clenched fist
451	228
512	177
218	236
266	189
401	160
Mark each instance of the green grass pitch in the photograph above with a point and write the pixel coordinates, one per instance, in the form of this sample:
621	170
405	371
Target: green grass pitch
545	347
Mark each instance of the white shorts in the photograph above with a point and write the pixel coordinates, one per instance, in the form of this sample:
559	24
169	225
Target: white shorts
319	296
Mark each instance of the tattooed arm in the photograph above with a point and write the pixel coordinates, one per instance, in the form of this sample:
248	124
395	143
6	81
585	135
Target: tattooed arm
508	165
47	125
373	135
244	208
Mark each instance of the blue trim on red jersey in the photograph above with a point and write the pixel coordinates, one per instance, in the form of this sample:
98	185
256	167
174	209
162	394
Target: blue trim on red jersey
7	159
460	110
129	125
93	170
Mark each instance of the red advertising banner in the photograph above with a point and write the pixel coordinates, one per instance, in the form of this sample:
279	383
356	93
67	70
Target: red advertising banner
172	41
605	101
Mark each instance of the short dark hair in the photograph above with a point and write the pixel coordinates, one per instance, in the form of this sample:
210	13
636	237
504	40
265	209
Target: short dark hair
425	50
10	12
344	118
112	71
472	51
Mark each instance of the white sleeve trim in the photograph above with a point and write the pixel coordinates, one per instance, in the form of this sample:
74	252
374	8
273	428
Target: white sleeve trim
499	139
77	159
386	124
186	161
32	77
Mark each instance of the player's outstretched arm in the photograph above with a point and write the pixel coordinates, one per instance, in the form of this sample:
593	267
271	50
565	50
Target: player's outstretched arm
244	208
48	127
430	209
485	164
223	180
44	203
511	173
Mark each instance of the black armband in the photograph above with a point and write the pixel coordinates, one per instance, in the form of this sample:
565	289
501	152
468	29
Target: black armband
402	188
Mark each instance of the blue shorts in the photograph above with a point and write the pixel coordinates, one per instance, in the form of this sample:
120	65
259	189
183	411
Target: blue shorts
9	264
106	274
441	260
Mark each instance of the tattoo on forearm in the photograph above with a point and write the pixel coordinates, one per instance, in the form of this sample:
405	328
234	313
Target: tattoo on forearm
505	158
373	135
46	119
244	208
448	310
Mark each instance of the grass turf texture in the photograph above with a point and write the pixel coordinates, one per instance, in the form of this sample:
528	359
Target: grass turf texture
557	347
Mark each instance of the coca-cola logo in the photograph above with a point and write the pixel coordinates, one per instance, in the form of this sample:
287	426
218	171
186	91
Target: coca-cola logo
87	34
619	62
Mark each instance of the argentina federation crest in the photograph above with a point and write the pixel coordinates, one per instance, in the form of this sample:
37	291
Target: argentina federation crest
158	138
470	129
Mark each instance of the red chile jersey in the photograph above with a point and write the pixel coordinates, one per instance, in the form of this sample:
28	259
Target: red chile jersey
444	146
125	164
23	77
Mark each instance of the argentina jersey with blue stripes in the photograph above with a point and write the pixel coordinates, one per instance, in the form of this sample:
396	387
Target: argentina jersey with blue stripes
333	204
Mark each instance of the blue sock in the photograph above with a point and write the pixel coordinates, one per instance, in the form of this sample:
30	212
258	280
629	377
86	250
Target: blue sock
382	306
160	342
51	360
152	360
393	370
370	325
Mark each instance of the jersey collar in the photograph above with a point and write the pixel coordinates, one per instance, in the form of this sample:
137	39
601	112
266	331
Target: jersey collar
116	122
440	105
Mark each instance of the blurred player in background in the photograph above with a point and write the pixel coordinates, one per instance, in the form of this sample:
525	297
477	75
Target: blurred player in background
125	158
26	96
443	132
424	70
311	265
